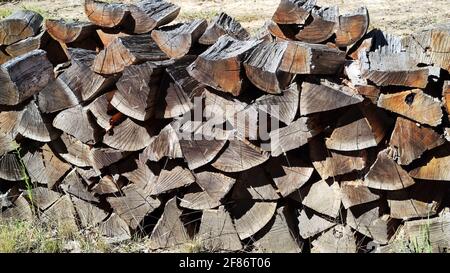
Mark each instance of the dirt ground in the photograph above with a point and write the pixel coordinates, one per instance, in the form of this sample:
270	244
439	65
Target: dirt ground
395	16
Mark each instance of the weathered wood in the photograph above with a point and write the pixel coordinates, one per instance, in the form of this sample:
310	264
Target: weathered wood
73	184
4	57
326	96
35	126
56	96
216	185
310	224
140	175
171	179
221	65
166	144
436	168
293	11
106	185
170	230
254	184
250	217
410	140
125	51
149	14
354	193
128	136
89	215
19	211
338	239
43	198
104	157
222	25
280	32
103	111
9	121
29	44
76	122
105	14
10	168
352	27
7	144
176	41
322	26
89	175
196	199
323	198
24	76
446	96
69	32
107	36
413	104
19	26
386	174
114	229
61	215
73	151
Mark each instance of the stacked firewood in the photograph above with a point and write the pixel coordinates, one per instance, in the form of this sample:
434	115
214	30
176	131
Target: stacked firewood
96	128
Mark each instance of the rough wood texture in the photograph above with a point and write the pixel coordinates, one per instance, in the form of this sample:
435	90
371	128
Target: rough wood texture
19	211
354	193
105	14
61	215
35	126
19	25
56	96
446	96
166	144
436	168
171	179
77	122
73	151
222	25
310	224
128	136
43	198
338	239
114	229
322	26
323	198
39	41
10	168
250	217
108	36
352	27
150	14
72	184
254	184
69	32
293	11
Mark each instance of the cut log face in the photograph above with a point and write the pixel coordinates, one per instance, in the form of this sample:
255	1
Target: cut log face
39	41
157	11
250	217
196	199
280	32
239	156
69	32
103	111
217	231
302	58
387	175
310	224
172	179
142	176
115	230
24	76
221	65
330	163
131	50
413	104
73	185
338	239
254	184
437	168
19	26
105	14
128	136
176	41
410	141
321	28
9	121
289	173
222	25
7	144
10	168
327	96
56	96
76	122
19	211
106	185
354	193
133	206
43	198
137	91
73	151
295	135
200	152
293	11
89	214
352	27
108	36
323	198
166	144
216	185
34	126
262	67
280	238
104	157
61	215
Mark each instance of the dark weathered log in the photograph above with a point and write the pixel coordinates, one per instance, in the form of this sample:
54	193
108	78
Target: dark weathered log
108	36
61	215
69	32
385	174
293	11
128	136
106	185
73	151
89	215
103	111
176	41
56	96
413	104
76	122
250	217
322	26
149	14
166	144
43	198
221	65
104	157
436	168
323	198
19	211
72	184
171	179
114	229
125	51
310	224
19	26
29	44
281	237
222	25
24	76
354	193
327	96
10	168
352	27
254	184
105	14
217	231
410	140
35	126
280	32
339	239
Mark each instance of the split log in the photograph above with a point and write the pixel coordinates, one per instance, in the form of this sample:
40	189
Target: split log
10	168
221	65
89	175
239	156
108	36
19	26
352	27
386	174
103	111
254	184
310	224
338	239
326	96
73	151
104	157
330	163
410	140
131	50
293	11
89	215
114	230
72	184
223	25
128	136
323	198
56	96
133	206
197	199
289	173
24	76
354	193
176	41
281	236
295	135
369	91
69	32
280	32
322	26
7	144
35	126
105	14
43	198
9	121
4	57
149	14
436	168
106	185
19	211
217	231
413	104
141	175
29	44
76	122
166	144
170	230
216	185
171	179
250	217
221	107
61	215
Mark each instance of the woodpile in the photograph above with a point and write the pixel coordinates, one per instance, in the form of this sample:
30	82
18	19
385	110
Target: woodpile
93	127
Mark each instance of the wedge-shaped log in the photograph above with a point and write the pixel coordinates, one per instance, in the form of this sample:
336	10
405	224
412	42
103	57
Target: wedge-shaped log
128	136
103	111
254	184
293	11
72	150
107	36
197	199
222	25
171	179
105	14
43	198
352	27
221	65
56	96
19	26
10	168
137	173
339	239
61	214
73	184
69	32
216	185
176	41
322	26
40	41
89	214
19	211
413	104
76	122
250	217
323	198
280	32
149	14
24	76
104	157
125	51
7	144
114	229
9	121
354	193
166	144
35	126
386	174
106	185
436	168
310	224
